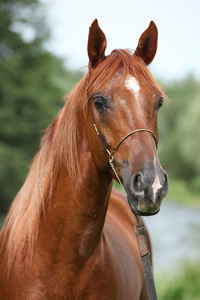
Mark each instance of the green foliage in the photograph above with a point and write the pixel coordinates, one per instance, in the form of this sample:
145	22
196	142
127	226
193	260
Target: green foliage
195	184
29	91
190	128
183	285
183	192
179	125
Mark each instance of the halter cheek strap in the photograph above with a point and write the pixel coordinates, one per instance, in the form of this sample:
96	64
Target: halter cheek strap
111	158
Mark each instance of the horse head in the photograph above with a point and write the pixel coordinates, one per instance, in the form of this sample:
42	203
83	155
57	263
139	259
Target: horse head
124	101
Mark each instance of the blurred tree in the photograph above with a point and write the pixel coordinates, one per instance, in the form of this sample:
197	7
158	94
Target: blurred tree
179	125
190	130
32	83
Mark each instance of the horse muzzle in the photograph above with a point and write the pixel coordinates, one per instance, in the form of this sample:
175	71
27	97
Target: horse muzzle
146	191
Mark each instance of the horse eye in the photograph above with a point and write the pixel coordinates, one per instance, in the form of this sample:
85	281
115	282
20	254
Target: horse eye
161	101
98	103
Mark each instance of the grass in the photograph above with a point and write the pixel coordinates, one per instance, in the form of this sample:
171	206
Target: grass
181	285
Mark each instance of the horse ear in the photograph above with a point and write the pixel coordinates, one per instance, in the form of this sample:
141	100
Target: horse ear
147	44
96	44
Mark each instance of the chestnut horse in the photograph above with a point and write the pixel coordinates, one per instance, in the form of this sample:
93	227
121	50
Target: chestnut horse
68	234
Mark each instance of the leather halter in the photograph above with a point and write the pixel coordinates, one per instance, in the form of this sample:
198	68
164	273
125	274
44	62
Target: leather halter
139	228
111	158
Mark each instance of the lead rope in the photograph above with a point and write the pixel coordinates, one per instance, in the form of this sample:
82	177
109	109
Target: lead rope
139	228
142	246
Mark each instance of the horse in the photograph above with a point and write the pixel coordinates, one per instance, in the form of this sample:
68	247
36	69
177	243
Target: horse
68	234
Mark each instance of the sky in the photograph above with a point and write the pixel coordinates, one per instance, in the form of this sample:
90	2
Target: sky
123	21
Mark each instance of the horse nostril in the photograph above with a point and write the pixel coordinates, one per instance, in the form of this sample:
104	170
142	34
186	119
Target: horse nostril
137	182
165	185
166	179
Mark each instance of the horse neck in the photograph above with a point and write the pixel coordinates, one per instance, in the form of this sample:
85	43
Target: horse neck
76	213
53	217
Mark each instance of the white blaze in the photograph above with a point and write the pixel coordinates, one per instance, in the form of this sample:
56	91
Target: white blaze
156	185
133	85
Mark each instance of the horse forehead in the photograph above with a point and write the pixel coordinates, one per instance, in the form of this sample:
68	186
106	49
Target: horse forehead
132	84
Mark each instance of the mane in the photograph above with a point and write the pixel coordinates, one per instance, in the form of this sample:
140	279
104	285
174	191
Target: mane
58	153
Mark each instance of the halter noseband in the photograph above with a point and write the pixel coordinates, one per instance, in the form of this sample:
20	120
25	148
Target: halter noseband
111	158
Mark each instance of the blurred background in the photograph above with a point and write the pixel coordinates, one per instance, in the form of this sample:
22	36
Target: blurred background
43	47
